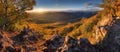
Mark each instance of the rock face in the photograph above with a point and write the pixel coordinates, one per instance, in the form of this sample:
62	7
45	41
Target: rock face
68	44
26	36
101	28
23	42
111	42
52	44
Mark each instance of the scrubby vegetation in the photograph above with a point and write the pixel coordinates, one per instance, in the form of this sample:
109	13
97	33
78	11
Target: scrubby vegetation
13	13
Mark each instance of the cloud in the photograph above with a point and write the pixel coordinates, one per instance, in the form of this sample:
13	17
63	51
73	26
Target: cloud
88	4
90	8
96	9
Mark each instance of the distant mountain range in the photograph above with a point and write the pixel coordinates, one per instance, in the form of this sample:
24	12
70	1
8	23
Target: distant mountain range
63	16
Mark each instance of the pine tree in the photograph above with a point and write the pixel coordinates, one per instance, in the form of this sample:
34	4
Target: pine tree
12	11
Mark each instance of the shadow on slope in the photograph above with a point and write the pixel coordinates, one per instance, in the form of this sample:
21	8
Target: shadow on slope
110	43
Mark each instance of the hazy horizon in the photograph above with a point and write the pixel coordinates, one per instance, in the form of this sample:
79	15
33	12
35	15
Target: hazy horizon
66	5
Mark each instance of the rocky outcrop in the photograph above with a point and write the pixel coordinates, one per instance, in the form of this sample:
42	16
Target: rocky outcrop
25	41
101	29
27	36
110	42
68	44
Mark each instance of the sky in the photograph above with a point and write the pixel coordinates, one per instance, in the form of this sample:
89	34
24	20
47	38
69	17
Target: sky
64	5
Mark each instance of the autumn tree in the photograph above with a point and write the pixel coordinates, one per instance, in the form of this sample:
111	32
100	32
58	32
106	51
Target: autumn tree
12	11
111	6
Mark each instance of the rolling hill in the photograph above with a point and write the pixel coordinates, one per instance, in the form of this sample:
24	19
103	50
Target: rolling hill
64	17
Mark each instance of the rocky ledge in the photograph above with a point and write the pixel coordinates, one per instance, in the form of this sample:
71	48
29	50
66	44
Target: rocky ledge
25	41
110	43
68	44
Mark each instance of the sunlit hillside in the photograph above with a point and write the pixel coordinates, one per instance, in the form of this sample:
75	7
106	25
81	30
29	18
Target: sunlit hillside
63	17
